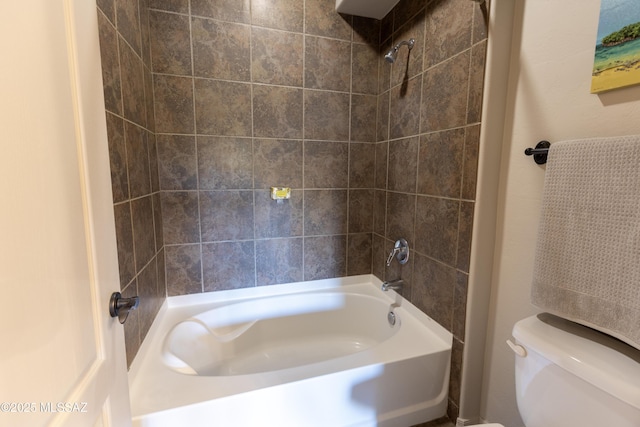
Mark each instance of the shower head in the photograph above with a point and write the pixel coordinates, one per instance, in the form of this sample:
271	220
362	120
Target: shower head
390	56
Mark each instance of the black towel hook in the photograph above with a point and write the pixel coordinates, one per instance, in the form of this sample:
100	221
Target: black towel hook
539	153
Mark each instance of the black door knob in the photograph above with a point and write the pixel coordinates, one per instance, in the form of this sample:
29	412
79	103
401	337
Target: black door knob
121	307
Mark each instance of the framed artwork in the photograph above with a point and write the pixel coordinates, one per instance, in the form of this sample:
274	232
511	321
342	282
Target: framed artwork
616	62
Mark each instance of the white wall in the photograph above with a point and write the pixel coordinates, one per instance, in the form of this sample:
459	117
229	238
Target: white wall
551	61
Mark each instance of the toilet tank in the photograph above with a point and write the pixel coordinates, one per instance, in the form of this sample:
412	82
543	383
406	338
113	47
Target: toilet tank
573	376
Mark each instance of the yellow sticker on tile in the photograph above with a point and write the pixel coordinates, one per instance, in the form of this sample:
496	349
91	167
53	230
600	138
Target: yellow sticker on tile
280	193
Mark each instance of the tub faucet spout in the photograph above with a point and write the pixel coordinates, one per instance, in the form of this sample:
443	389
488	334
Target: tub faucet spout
395	285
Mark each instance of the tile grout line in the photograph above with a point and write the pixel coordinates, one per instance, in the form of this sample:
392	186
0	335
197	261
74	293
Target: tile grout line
195	132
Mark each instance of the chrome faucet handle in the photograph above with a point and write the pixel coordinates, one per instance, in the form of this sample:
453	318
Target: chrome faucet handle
400	251
391	255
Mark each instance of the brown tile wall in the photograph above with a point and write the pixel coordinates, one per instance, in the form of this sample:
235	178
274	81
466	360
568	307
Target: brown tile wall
250	95
126	72
428	133
293	94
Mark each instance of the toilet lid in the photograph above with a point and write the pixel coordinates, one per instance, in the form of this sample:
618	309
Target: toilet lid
603	361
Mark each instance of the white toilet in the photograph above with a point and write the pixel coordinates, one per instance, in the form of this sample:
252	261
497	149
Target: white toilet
568	375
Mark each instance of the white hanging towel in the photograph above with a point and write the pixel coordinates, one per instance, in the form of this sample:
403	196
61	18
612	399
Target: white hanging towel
587	261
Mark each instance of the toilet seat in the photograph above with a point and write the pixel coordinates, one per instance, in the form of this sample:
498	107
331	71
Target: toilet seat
486	425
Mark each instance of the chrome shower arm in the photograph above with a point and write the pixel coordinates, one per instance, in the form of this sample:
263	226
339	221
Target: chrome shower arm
393	52
409	43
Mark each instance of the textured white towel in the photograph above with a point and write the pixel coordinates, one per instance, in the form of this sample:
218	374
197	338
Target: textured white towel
587	263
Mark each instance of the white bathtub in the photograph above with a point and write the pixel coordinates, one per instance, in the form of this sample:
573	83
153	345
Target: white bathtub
319	353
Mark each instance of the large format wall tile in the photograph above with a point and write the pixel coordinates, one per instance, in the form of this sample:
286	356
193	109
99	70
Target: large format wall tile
145	33
171	44
277	163
380	212
221	50
107	8
148	292
128	21
273	219
179	6
403	155
382	121
400	216
440	163
132	74
404	11
324	257
226	215
225	10
124	241
117	158
225	163
279	261
281	14
359	250
434	289
464	235
363	113
277	112
277	57
325	212
177	162
362	163
148	100
222	108
476	82
364	78
326	115
444	94
327	64
181	221
143	231
136	139
111	80
360	211
228	265
173	104
366	30
382	157
405	109
184	269
437	222
470	166
131	328
449	27
321	20
326	164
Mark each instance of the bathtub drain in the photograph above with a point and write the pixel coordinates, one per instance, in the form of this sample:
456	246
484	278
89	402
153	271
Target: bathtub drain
391	317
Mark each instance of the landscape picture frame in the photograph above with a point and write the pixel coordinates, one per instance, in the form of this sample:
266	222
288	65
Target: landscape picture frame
617	52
